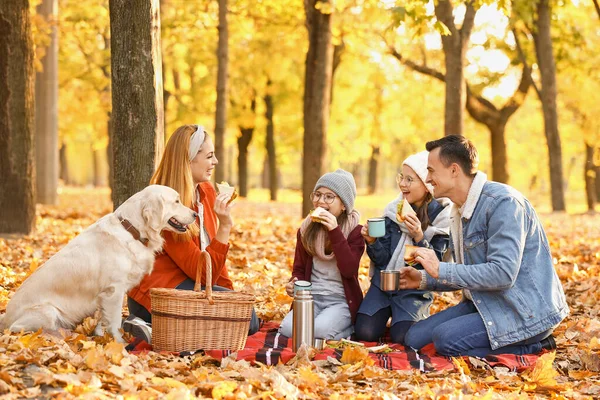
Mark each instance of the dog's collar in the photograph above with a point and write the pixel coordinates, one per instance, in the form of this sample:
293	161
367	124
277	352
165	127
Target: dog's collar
133	230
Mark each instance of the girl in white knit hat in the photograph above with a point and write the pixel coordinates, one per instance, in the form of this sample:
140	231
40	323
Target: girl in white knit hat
427	227
328	253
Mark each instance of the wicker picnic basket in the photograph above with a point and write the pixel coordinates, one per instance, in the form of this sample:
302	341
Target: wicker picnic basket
185	320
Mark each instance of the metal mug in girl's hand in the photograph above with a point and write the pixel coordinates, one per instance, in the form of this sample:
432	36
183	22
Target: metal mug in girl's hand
390	280
376	227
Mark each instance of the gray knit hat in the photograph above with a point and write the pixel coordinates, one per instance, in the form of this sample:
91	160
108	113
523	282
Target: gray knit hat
342	183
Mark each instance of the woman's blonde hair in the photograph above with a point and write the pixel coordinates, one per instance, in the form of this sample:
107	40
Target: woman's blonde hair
174	171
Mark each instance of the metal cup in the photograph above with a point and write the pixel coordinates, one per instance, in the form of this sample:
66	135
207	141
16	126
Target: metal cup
302	285
376	227
319	343
390	280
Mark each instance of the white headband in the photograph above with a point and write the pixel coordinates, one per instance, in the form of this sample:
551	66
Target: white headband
196	141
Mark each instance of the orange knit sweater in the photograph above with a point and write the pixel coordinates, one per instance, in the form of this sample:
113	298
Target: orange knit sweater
179	260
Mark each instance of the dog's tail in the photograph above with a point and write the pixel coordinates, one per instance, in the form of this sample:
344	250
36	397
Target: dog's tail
2	327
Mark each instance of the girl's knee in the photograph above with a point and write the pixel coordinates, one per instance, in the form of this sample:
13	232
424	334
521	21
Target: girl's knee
399	330
366	333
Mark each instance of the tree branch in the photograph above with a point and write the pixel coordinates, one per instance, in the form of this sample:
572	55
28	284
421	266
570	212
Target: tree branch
423	69
518	98
597	7
468	22
444	13
524	61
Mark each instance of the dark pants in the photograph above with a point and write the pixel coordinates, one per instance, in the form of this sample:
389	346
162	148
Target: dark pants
140	311
460	331
370	328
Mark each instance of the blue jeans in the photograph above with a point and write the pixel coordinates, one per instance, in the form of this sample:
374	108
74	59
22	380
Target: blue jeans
460	331
140	311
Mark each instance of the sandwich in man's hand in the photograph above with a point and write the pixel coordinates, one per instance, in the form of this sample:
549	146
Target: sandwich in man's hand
224	187
404	209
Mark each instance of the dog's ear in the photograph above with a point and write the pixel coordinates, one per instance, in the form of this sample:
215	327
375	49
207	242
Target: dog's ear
152	211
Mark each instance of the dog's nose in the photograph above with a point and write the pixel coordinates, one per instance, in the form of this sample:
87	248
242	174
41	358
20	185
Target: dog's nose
195	215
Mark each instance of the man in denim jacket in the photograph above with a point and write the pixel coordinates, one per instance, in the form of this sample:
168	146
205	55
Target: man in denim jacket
512	296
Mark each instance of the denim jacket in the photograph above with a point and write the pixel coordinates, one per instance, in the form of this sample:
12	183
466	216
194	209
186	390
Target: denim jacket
507	267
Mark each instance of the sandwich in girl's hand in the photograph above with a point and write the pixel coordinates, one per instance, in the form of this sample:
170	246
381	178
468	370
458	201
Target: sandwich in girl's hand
315	215
404	209
224	187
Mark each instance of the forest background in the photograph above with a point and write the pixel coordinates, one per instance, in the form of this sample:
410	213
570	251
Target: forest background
382	106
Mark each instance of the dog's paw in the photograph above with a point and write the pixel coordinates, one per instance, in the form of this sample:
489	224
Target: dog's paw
119	339
98	331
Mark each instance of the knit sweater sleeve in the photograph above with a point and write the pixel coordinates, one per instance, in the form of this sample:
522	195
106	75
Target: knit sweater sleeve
300	259
347	251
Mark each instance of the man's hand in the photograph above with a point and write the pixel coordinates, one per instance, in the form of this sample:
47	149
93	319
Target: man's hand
289	287
429	261
410	278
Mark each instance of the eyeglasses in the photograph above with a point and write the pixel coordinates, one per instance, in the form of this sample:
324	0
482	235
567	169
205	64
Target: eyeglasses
407	180
327	197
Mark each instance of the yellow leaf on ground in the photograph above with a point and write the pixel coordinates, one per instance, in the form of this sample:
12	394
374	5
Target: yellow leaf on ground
354	354
116	352
222	389
543	374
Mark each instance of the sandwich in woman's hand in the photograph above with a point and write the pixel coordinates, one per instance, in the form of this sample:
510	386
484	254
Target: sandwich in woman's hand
224	187
315	215
404	209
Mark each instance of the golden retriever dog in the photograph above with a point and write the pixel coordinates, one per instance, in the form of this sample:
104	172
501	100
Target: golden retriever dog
95	269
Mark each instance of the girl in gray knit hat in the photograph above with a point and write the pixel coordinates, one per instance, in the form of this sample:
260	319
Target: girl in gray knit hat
427	227
328	253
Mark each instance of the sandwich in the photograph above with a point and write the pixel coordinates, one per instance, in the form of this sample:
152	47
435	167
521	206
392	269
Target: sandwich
404	209
315	214
224	187
409	254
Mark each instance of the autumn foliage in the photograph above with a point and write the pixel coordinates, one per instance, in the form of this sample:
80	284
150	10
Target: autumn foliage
69	364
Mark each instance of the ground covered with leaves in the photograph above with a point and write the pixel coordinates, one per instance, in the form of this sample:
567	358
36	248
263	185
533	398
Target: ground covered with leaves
76	365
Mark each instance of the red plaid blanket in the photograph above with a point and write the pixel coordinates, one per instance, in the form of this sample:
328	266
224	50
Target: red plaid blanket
268	347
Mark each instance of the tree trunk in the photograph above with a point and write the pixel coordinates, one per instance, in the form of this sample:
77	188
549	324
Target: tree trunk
109	151
373	164
270	144
499	158
317	89
221	106
545	59
46	112
455	47
243	143
590	178
137	95
17	118
64	165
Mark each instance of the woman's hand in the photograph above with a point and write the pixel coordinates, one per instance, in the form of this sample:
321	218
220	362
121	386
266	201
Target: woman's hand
289	287
365	234
413	225
328	220
223	210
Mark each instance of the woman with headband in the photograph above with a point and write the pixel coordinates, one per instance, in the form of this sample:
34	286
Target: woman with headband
187	166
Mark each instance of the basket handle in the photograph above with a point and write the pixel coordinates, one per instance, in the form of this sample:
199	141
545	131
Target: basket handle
198	284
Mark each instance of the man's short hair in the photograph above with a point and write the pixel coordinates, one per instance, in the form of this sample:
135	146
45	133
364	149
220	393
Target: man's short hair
456	149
